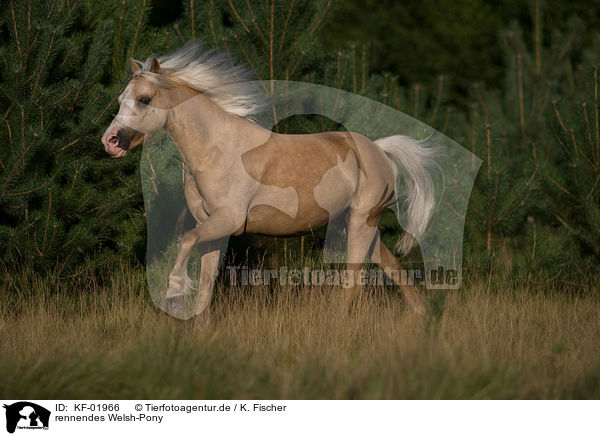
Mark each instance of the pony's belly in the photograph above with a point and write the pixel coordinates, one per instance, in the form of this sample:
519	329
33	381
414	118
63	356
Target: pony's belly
268	220
292	211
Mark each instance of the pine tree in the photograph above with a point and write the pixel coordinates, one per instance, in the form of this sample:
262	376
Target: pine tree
63	203
508	129
573	179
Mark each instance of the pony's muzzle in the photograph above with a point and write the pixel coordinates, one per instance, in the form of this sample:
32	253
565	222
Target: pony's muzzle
118	140
112	143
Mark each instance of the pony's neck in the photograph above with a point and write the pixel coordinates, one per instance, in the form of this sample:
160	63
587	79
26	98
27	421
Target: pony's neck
202	130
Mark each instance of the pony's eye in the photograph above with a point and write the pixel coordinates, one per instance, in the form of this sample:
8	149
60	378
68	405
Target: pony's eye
144	101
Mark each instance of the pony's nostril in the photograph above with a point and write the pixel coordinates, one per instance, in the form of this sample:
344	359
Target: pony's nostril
113	140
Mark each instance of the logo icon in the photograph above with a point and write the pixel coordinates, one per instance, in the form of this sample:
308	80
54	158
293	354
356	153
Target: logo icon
26	415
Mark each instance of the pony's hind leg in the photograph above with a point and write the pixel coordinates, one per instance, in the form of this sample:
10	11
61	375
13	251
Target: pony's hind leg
364	240
392	268
360	242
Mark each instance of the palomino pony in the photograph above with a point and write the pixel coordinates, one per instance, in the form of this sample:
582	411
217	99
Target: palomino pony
243	178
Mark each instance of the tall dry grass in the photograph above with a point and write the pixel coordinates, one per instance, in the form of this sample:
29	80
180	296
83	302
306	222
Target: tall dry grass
109	341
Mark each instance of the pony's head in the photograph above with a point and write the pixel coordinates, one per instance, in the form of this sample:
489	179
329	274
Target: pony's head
144	106
160	85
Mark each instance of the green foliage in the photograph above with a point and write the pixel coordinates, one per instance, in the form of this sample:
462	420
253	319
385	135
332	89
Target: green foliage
573	181
63	203
61	199
500	200
510	130
419	40
277	40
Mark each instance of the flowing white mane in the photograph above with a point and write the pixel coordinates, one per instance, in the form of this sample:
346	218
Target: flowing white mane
215	74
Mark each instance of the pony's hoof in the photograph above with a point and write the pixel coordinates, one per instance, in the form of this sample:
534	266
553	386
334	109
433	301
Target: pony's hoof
418	306
419	309
413	300
203	320
175	303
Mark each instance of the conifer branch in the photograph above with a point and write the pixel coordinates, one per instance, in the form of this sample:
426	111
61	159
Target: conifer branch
567	45
286	23
83	81
341	77
321	18
238	17
10	140
47	221
538	37
594	186
488	143
35	86
587	128
211	23
64	147
438	100
364	67
254	22
291	73
596	111
563	189
34	42
482	102
446	120
353	47
523	200
16	32
178	33
558	117
520	89
416	101
192	20
543	104
73	183
561	143
271	39
133	44
28	22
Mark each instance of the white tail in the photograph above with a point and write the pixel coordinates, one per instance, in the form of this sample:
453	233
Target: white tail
413	159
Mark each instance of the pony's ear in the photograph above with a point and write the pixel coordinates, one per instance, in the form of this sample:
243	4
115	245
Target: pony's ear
155	67
134	66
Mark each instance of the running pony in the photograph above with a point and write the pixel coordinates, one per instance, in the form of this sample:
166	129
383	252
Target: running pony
242	178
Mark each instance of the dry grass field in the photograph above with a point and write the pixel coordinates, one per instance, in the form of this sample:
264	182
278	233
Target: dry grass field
487	340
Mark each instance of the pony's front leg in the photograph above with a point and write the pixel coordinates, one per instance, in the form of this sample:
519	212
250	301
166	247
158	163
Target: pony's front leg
181	286
209	270
180	283
210	235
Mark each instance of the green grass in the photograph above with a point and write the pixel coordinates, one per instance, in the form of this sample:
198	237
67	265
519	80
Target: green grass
109	341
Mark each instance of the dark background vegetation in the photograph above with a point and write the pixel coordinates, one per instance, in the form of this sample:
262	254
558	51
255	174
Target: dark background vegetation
419	41
515	82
